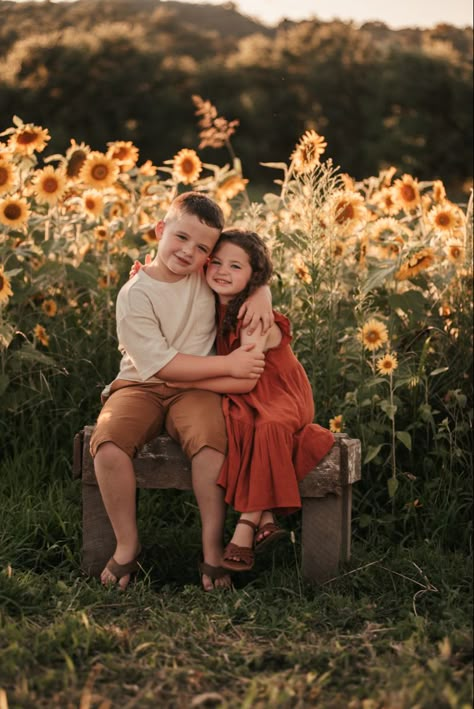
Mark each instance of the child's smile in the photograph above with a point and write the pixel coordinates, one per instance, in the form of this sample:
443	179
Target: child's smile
229	271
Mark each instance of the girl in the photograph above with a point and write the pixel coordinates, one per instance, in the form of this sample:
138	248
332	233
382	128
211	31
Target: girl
272	442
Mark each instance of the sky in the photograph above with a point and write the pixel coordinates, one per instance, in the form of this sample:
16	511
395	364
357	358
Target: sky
394	13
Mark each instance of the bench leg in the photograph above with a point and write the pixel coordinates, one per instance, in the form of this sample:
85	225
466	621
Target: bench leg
98	538
326	534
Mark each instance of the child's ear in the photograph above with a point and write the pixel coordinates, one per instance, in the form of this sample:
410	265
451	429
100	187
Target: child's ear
159	229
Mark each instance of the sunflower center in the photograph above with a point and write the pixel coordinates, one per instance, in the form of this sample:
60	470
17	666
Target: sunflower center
345	212
372	336
99	171
188	166
50	185
120	154
12	211
443	219
3	176
408	193
26	137
455	252
75	163
90	203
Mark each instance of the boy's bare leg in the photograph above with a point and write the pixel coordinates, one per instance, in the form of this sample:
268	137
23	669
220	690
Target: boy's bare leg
206	465
116	479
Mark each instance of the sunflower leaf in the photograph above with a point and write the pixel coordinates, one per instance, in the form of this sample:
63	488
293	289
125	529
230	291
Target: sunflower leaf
405	438
389	409
377	277
392	485
372	451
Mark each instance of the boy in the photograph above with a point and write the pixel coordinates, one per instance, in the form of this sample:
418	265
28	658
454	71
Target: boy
166	329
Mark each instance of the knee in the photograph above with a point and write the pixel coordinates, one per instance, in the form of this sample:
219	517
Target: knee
109	456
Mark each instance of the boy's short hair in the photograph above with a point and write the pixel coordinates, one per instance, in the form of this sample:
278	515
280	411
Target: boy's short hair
200	206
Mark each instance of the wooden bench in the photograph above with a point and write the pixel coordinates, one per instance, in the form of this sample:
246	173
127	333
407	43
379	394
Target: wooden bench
326	501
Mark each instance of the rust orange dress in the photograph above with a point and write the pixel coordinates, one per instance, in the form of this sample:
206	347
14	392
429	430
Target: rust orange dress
272	442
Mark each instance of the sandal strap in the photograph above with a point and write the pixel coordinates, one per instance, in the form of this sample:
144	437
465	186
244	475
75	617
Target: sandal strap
120	570
214	572
248	523
245	554
269	527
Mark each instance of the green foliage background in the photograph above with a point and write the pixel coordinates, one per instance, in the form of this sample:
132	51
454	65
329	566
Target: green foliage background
106	70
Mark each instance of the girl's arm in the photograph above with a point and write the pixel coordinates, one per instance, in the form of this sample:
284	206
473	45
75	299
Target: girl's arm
257	309
246	362
233	385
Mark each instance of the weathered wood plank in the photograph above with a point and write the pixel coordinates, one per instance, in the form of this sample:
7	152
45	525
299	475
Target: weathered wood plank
162	464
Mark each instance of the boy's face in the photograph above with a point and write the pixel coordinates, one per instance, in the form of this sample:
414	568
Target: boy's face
185	245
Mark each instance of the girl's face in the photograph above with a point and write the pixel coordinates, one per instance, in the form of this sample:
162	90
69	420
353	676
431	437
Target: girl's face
228	271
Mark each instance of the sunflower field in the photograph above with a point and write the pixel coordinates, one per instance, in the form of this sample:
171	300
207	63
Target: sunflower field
375	276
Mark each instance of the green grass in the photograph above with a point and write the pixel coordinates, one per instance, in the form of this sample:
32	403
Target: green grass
394	630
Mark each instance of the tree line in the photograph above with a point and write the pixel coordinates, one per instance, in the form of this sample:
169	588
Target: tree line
108	70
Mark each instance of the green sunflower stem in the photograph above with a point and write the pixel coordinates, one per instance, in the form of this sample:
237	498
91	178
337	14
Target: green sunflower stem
393	453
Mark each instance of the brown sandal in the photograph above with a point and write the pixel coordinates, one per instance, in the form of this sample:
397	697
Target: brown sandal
214	572
245	555
274	534
121	570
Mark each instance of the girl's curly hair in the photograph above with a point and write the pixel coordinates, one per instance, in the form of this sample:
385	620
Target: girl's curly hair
260	263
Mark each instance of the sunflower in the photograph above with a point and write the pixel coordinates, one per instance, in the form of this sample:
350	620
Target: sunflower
455	252
147	169
439	192
28	138
385	229
186	166
41	335
419	261
306	155
101	233
387	364
14	211
49	185
124	152
49	307
385	201
99	171
373	334
336	424
444	218
346	209
406	193
75	158
7	176
118	209
5	287
93	203
301	269
230	188
150	236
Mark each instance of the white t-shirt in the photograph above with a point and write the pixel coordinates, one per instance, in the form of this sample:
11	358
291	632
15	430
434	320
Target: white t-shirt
156	320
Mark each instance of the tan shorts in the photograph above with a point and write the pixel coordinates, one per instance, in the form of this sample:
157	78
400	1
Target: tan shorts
136	412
